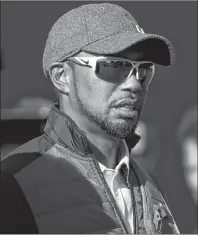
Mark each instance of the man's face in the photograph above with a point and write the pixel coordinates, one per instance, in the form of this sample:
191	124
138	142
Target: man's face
99	100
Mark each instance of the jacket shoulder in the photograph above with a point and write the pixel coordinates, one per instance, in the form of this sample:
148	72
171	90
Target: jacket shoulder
16	215
25	154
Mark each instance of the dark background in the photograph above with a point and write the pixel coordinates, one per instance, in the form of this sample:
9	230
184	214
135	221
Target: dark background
24	29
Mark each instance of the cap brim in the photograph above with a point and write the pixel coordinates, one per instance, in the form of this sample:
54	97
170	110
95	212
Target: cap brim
157	48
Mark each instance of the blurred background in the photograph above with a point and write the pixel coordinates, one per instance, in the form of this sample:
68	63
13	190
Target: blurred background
168	125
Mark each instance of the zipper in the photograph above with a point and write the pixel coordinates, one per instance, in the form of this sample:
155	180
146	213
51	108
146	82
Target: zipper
110	196
135	222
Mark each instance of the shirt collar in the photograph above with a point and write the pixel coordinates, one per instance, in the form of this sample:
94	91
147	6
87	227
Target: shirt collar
123	158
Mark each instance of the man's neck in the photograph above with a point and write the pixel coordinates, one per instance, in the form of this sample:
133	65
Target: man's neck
104	147
105	150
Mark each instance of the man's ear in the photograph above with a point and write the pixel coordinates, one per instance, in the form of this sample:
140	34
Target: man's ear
61	74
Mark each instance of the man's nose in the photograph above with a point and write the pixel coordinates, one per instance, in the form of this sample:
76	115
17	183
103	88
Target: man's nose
132	83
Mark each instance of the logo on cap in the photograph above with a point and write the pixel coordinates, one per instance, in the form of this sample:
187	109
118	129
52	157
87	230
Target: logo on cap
140	30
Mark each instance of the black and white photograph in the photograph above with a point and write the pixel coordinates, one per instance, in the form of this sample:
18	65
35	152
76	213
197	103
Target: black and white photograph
98	117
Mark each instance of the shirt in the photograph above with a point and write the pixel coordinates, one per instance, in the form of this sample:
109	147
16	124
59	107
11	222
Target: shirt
118	187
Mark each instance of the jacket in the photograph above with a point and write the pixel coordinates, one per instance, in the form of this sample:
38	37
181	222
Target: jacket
53	184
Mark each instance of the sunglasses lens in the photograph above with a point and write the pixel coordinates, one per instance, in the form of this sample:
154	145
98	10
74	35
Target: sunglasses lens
146	72
116	70
113	70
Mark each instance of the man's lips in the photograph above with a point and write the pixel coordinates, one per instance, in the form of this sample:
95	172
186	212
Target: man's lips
126	103
126	110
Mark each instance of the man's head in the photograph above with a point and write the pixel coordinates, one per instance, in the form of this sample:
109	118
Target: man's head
84	56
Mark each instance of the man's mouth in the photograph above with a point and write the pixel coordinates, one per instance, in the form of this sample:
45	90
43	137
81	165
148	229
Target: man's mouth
126	104
125	108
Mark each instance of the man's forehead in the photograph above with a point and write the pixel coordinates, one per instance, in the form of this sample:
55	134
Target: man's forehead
130	53
86	54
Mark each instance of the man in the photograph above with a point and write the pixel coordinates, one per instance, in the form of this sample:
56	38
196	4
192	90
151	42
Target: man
79	177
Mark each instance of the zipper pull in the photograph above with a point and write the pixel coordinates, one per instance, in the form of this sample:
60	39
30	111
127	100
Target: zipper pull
157	219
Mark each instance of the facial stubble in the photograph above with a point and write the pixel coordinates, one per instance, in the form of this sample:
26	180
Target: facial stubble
123	129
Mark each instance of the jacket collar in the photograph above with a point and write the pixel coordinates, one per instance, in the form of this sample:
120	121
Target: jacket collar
63	130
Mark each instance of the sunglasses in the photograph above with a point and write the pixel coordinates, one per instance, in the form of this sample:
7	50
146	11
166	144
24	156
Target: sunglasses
117	70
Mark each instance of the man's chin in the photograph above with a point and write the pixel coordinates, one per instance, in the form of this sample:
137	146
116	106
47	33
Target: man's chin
121	129
120	135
